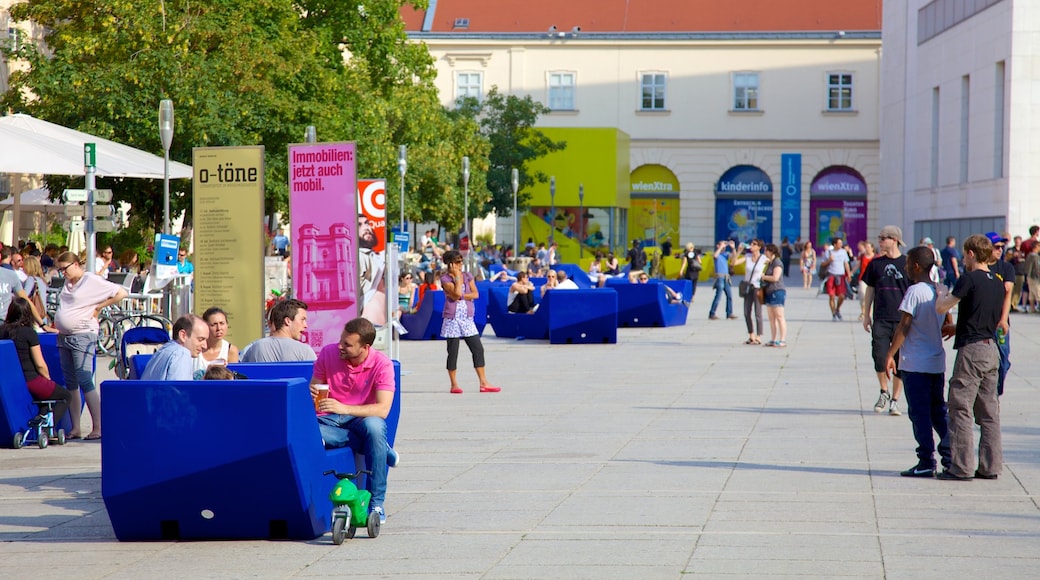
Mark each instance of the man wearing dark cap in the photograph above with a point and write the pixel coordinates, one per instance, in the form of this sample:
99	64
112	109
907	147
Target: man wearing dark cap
886	281
1005	272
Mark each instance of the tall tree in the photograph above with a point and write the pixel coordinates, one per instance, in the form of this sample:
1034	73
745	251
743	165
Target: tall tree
245	72
508	122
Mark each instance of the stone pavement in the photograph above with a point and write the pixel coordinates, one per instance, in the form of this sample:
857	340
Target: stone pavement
675	452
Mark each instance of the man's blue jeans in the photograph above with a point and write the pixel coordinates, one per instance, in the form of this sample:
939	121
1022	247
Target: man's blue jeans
722	285
1004	350
365	435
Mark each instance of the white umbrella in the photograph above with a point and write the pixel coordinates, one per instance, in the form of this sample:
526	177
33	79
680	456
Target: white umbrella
33	146
35	207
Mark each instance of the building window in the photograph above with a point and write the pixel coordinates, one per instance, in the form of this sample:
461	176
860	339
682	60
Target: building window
745	91
933	180
469	84
839	92
653	88
561	91
965	127
998	122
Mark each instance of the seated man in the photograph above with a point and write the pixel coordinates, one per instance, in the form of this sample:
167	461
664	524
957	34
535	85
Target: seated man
288	320
563	282
174	361
361	392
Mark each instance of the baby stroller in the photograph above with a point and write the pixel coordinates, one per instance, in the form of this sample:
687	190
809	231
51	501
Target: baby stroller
139	340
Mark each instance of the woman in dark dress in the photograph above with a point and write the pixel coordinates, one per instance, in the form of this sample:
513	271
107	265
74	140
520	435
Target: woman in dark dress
18	328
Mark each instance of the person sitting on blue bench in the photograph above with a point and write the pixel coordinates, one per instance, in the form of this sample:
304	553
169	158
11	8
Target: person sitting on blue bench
18	328
288	320
175	360
521	297
361	392
673	296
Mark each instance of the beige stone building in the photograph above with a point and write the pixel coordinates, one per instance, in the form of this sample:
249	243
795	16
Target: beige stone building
727	106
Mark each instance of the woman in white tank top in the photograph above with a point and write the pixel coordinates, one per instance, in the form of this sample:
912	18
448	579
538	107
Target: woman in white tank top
218	351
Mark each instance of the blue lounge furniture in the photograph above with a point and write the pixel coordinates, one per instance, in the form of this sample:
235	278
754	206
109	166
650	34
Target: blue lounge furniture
425	322
563	317
574	272
16	403
647	305
236	459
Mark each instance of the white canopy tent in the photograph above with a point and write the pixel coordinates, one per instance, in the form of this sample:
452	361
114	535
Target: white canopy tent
33	146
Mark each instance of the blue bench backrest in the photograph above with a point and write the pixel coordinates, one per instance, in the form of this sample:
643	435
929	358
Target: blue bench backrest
16	403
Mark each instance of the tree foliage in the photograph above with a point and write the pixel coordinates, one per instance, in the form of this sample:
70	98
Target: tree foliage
508	122
249	72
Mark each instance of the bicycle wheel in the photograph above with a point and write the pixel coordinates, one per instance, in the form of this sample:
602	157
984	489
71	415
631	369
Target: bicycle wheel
108	336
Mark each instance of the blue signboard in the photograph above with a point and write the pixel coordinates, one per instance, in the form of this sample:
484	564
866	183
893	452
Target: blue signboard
791	196
743	219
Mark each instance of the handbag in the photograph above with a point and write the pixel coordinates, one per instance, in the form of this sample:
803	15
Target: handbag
744	288
761	295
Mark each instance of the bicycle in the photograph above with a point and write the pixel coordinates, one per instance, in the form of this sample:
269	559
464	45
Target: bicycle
112	324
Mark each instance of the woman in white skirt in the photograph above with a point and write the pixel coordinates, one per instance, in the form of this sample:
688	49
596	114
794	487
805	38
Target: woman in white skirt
459	292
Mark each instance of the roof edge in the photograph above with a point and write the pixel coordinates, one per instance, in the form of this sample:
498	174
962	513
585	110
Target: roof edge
629	36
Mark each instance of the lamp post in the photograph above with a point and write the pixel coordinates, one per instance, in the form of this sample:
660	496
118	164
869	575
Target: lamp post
166	135
310	135
581	220
552	208
515	182
402	168
465	193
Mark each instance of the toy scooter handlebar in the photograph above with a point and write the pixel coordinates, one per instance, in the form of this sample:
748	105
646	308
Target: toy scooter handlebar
347	475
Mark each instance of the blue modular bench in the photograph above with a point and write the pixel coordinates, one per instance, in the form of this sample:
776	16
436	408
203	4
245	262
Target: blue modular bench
563	317
647	305
574	272
16	402
236	459
425	322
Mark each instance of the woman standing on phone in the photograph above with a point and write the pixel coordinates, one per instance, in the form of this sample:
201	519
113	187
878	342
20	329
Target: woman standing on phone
754	263
459	292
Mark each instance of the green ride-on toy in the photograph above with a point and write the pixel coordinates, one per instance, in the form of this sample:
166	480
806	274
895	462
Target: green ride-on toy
350	507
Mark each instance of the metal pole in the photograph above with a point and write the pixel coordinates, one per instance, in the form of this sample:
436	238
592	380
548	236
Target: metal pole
465	191
516	221
166	135
402	168
91	232
552	208
581	220
310	135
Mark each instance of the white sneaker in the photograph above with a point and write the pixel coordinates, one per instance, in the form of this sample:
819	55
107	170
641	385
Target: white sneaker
893	408
883	401
393	459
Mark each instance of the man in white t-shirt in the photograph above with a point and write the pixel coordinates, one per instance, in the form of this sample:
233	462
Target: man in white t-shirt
839	272
565	283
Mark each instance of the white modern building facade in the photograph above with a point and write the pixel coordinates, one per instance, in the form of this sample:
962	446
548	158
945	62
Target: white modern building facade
960	117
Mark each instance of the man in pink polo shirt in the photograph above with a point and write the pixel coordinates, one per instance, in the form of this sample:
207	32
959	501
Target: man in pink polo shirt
361	392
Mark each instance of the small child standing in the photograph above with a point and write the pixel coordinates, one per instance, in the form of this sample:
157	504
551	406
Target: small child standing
973	386
918	340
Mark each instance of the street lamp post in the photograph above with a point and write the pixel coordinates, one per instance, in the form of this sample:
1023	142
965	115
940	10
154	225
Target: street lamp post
581	220
465	193
552	208
166	135
310	135
515	182
402	168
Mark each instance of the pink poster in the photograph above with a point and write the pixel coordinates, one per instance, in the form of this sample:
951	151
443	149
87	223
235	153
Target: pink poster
372	244
324	210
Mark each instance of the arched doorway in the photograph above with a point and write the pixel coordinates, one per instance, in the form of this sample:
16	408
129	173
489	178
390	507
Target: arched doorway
744	205
653	214
838	206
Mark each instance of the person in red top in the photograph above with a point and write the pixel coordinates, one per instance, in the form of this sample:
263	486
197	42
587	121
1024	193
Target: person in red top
866	254
361	392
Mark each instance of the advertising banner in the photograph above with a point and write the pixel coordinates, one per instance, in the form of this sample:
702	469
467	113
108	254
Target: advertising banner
791	196
228	219
372	248
838	218
743	219
323	201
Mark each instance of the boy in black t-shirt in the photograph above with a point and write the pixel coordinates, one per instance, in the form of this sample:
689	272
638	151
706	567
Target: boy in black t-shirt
973	385
886	284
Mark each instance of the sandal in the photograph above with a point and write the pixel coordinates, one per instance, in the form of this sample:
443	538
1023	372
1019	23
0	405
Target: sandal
489	389
456	391
781	343
771	343
751	341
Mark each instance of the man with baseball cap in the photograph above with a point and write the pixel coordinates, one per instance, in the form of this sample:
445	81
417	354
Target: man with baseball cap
886	281
1003	270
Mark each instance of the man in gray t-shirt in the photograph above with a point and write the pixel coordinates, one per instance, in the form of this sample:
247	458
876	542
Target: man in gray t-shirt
288	320
10	286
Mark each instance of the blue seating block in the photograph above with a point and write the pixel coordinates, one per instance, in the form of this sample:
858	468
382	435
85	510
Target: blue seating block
647	305
563	317
16	403
582	316
236	459
425	322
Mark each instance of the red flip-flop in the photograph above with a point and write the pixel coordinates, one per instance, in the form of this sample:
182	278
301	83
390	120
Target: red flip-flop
456	391
489	389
